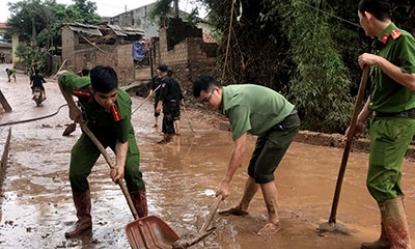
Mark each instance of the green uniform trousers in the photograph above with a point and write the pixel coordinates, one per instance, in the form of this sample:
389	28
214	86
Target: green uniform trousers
389	140
84	154
270	149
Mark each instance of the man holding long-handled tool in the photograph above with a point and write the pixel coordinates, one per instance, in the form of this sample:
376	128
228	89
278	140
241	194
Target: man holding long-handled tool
392	107
107	112
170	97
155	85
262	112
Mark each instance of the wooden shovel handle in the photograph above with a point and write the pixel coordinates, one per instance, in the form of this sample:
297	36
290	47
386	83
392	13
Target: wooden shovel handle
188	120
142	102
120	182
349	141
212	213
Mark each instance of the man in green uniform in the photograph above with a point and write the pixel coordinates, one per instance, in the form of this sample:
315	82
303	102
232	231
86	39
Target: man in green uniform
262	112
170	97
107	112
391	105
11	72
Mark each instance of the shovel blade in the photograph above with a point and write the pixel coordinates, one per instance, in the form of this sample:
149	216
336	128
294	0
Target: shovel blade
150	232
69	129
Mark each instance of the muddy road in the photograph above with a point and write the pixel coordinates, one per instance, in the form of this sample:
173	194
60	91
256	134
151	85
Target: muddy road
181	180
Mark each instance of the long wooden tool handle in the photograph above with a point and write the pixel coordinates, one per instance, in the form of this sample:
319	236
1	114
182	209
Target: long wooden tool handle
56	75
212	213
120	182
188	119
138	107
349	141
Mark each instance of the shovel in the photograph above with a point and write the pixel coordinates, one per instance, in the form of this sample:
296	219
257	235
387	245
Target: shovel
69	129
331	226
191	239
149	232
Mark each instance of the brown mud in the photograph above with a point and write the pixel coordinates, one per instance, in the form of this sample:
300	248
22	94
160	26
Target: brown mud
181	179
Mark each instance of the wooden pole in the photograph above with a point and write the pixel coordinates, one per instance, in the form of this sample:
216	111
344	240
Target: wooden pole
146	99
4	103
92	44
60	68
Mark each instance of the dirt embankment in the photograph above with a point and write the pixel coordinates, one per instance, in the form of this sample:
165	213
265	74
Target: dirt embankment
329	140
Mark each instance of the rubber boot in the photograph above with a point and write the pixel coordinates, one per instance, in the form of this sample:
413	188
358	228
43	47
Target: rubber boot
396	224
381	243
270	193
83	212
242	208
140	202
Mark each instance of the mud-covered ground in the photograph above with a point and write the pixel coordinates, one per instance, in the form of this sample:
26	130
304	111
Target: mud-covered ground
181	179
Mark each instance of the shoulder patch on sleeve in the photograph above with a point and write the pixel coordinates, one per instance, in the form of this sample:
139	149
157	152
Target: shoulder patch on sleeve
115	113
396	34
81	93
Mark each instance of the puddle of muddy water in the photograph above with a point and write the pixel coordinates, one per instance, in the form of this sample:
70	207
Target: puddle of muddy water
181	180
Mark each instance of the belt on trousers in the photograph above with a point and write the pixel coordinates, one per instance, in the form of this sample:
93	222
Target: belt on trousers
405	114
293	112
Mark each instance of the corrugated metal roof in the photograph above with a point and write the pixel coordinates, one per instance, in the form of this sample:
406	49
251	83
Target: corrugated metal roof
95	30
126	30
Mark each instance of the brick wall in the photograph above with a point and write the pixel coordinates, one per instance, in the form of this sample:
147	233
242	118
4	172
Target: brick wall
84	55
124	64
69	41
187	59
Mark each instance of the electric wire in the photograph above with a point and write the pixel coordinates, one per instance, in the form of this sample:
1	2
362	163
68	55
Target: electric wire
329	14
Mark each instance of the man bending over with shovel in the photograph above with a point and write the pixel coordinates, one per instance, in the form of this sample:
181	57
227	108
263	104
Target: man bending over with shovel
391	106
106	110
261	112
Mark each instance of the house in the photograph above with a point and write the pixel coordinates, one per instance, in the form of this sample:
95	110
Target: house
85	46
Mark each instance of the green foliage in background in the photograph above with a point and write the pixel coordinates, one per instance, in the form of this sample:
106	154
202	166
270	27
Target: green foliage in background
321	81
32	59
163	10
39	23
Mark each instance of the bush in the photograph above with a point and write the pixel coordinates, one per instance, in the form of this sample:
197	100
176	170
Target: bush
33	59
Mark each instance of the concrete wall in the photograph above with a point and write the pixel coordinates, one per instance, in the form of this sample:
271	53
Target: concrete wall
140	17
137	17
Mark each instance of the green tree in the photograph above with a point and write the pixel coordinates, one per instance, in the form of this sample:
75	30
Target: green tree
25	19
290	47
162	12
36	21
40	25
86	11
33	58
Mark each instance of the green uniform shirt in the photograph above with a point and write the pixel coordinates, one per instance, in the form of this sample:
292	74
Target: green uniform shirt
12	71
113	122
253	108
398	47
